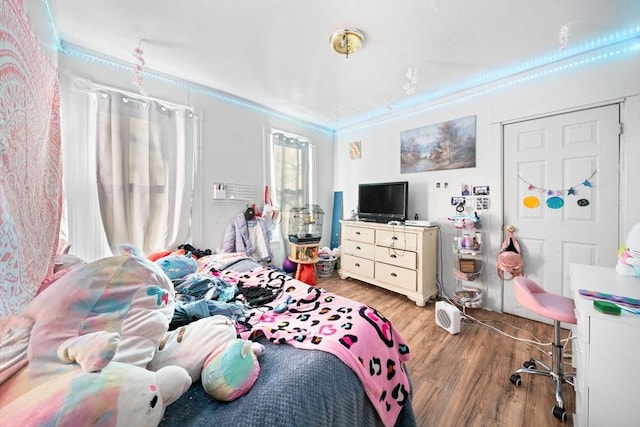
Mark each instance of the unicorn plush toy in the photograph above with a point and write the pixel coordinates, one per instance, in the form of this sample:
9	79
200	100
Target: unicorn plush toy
629	257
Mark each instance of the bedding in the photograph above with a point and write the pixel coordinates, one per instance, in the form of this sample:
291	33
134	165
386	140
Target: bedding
352	372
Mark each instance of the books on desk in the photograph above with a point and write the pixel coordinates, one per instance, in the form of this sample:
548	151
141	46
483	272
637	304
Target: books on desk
610	297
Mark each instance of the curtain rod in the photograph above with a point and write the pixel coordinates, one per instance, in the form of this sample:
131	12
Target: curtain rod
85	85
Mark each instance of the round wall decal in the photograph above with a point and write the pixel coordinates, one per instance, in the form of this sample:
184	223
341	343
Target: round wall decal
555	202
531	202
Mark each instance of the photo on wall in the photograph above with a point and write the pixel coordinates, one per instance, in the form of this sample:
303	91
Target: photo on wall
441	146
355	150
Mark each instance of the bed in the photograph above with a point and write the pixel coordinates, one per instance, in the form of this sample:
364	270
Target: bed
305	378
119	341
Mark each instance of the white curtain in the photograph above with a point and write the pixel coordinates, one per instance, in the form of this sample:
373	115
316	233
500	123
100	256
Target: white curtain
144	155
291	179
143	151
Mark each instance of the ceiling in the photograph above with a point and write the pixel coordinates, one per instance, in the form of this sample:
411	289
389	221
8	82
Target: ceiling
276	52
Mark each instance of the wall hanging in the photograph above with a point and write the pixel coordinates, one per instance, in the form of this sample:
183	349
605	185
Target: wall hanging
441	146
555	198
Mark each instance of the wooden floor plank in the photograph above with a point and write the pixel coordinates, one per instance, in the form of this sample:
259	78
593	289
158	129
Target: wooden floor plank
463	379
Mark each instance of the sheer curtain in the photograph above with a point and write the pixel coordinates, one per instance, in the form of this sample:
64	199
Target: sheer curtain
129	170
144	154
291	180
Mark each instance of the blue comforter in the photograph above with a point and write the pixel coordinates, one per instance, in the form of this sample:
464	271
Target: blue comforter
295	388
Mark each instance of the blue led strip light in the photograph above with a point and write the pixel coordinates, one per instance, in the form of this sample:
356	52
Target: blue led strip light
615	52
195	88
611	40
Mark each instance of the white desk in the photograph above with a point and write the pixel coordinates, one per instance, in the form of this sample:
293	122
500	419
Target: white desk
606	352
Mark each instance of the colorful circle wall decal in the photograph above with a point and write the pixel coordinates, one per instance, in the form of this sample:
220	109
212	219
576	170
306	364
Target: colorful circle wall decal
555	202
531	202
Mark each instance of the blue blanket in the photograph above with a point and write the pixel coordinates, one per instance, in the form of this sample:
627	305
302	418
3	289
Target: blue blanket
295	388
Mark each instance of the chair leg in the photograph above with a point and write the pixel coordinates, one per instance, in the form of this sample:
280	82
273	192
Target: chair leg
556	371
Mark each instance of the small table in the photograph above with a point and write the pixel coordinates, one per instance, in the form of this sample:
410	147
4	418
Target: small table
305	255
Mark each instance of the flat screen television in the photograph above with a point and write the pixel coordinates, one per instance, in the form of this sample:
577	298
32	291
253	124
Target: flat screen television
383	201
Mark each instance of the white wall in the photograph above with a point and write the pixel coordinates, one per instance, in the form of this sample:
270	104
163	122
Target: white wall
616	78
232	148
40	22
231	151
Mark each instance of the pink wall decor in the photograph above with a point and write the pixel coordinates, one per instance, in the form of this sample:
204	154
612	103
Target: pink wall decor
30	160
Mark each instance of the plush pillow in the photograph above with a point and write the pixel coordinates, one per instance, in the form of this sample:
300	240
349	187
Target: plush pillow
157	255
177	266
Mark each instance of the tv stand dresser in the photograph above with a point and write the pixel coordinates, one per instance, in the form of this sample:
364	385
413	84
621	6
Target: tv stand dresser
399	258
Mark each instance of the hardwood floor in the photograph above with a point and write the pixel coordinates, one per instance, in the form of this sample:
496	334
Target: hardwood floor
463	379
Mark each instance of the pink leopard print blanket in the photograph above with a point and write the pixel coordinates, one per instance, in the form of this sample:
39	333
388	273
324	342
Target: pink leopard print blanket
318	320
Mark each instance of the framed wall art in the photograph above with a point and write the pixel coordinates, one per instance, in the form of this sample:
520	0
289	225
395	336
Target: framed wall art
441	146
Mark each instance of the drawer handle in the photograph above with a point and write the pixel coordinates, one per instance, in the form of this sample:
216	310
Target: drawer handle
394	238
357	265
394	275
393	256
358	248
357	233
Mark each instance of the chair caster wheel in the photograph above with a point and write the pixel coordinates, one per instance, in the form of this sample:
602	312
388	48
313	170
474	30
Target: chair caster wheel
559	413
529	364
515	379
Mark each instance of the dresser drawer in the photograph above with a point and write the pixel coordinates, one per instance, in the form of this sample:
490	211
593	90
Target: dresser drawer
396	276
360	249
397	257
397	239
353	264
360	234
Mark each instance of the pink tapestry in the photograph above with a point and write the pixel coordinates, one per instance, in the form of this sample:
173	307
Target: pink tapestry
30	160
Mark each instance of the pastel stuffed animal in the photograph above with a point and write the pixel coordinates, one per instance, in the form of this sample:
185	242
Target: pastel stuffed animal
94	348
629	258
104	319
227	366
89	389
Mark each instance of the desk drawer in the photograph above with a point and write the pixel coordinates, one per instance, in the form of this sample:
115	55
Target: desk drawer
353	264
397	257
360	234
398	239
396	276
359	249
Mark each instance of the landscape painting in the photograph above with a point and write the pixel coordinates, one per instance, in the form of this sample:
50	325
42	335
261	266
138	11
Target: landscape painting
441	146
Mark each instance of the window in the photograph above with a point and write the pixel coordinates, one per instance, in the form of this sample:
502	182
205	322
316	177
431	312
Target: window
291	179
133	182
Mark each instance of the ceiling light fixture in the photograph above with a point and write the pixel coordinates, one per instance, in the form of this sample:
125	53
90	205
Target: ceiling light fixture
347	42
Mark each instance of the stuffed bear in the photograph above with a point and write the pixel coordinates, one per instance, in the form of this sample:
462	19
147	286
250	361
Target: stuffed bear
629	257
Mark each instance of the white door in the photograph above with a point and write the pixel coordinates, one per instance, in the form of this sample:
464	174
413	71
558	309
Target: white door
561	195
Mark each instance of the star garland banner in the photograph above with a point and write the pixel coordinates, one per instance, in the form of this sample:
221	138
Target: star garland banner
555	200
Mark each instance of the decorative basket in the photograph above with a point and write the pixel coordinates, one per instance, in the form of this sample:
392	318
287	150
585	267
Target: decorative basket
468	274
326	266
